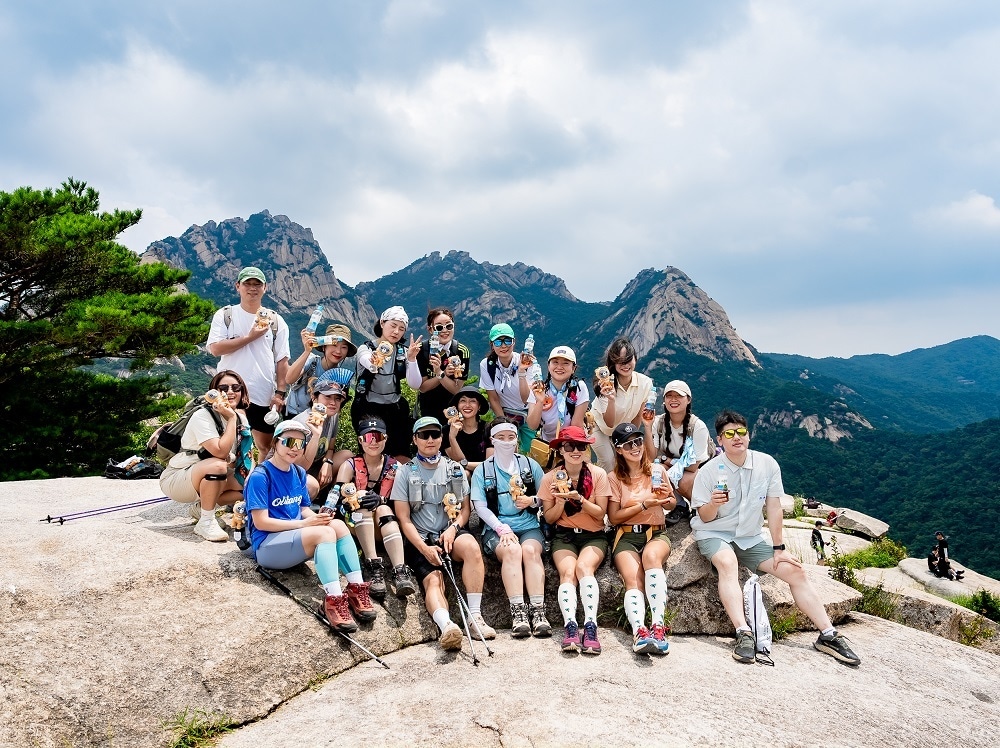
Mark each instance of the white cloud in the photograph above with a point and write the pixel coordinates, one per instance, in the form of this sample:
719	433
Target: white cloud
974	212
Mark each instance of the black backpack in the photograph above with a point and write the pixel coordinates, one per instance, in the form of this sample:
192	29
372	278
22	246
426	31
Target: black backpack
166	440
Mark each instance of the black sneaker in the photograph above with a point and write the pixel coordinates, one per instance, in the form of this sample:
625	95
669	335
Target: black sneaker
406	584
519	626
376	577
837	647
540	625
746	648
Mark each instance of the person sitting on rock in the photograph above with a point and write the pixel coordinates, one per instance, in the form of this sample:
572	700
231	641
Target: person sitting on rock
504	376
285	531
504	492
212	465
574	496
321	458
418	495
729	493
667	437
374	472
944	562
640	497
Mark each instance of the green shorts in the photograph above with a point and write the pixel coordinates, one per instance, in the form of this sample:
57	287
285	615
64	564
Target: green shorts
751	558
565	539
627	539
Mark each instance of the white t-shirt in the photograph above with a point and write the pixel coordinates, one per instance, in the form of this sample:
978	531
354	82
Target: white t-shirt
699	434
254	362
199	430
550	417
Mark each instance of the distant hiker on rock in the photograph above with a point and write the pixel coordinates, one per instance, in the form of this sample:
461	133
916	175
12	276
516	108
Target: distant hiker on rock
383	365
213	463
505	494
944	561
576	504
620	401
253	340
285	531
418	495
729	493
817	542
504	376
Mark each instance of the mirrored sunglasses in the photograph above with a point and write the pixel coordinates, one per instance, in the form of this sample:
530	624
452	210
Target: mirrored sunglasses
501	342
373	437
632	444
292	442
730	433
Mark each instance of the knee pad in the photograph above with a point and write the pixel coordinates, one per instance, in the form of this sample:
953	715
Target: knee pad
387	519
215	476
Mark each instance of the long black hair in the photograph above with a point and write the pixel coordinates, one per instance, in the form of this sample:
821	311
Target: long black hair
620	351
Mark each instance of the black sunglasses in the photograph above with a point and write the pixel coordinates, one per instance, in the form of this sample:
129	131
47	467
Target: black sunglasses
230	388
575	446
425	435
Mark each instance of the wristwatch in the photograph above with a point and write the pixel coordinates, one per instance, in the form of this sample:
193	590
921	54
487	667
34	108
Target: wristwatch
778	547
463	462
281	392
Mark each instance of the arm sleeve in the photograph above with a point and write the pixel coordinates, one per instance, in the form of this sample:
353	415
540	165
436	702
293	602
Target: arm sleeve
400	484
701	491
582	394
364	359
255	491
413	377
702	439
484	376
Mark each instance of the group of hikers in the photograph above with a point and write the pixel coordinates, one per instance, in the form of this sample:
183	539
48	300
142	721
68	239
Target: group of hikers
576	471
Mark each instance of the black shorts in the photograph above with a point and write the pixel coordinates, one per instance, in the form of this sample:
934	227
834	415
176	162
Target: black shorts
398	423
418	563
255	417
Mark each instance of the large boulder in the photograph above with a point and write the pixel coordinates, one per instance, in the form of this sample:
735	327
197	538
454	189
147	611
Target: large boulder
870	527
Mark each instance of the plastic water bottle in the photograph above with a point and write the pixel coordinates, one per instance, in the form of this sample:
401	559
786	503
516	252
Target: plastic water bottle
315	319
435	343
332	499
656	475
649	409
528	354
722	481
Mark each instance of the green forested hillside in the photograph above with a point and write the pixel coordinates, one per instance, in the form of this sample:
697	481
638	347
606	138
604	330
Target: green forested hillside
916	483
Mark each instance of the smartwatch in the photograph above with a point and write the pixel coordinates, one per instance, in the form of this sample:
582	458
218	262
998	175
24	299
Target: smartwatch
778	547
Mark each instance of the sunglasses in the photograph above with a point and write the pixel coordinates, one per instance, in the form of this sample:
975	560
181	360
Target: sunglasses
373	437
575	446
730	433
425	435
631	444
292	442
501	342
229	387
442	328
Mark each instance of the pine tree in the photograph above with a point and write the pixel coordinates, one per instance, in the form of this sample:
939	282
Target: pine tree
71	295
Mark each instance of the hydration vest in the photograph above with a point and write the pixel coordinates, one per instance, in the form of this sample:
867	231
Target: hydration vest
385	480
366	377
491	489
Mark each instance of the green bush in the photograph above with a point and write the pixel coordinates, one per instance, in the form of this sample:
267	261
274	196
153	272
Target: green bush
983	602
883	553
798	508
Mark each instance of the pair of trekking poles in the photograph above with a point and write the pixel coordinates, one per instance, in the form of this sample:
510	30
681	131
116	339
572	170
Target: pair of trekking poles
62	519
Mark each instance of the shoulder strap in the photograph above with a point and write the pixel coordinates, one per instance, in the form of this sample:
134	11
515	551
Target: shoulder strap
491	368
227	317
360	473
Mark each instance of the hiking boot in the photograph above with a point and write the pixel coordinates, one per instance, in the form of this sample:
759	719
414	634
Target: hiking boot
210	530
338	613
540	625
590	644
837	647
643	643
660	638
478	626
406	583
360	602
519	626
451	637
746	648
571	637
376	577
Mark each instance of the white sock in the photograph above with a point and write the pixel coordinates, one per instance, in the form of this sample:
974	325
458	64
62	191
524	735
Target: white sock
207	515
567	602
590	594
656	593
354	577
475	602
635	609
536	599
333	588
828	632
441	618
515	599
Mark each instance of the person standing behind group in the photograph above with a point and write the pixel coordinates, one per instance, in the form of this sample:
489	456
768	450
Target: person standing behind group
640	496
504	376
511	531
563	400
667	434
378	393
576	507
315	362
620	402
257	348
441	378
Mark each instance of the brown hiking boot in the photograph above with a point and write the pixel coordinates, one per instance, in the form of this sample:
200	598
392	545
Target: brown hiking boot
360	601
339	614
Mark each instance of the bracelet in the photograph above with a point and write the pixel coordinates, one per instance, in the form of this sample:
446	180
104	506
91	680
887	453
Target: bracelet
327	461
643	505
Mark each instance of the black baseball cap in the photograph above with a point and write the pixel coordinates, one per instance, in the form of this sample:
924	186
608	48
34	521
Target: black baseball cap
625	432
368	425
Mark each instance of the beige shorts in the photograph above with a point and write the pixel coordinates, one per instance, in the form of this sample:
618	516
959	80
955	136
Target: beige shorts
176	483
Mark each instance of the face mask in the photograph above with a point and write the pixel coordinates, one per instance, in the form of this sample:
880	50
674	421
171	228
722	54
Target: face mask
503	452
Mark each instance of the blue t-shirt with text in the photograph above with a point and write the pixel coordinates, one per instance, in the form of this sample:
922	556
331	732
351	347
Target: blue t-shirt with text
282	493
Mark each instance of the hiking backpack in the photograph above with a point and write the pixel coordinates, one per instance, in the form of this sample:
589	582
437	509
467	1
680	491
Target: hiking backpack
166	440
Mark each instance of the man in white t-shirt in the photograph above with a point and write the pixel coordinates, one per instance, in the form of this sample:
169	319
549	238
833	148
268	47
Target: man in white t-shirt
255	348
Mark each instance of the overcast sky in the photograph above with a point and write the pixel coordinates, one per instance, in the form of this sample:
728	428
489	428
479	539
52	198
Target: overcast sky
827	171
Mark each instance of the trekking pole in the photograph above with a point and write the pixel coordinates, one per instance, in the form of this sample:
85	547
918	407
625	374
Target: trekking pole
64	518
318	616
446	562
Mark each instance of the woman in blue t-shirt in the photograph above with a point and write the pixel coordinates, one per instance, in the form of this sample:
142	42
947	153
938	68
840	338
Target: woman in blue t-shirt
285	531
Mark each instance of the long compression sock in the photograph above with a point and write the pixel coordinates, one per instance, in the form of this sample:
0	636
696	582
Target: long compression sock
347	552
364	530
590	594
635	609
567	602
656	593
393	542
325	560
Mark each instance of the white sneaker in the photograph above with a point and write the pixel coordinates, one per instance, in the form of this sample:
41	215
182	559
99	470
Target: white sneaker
451	637
210	530
477	625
